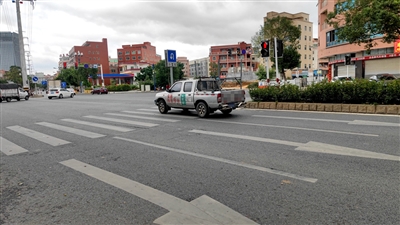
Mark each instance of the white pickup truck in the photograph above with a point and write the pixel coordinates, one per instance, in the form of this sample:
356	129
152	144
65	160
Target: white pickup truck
204	95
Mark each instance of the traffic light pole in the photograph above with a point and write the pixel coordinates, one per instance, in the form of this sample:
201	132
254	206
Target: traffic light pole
276	58
267	68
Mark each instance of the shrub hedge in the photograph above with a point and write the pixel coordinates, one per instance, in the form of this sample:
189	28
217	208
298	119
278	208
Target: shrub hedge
355	92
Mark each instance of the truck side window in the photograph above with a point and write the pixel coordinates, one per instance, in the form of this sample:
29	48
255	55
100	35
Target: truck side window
176	87
187	87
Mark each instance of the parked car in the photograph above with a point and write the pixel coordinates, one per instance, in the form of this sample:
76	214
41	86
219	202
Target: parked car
382	77
59	93
99	91
71	90
342	78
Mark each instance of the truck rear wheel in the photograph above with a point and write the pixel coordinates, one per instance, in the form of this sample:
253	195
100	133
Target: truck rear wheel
162	107
202	110
18	99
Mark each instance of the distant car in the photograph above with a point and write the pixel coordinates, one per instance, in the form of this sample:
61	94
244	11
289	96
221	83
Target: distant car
71	90
59	93
99	91
382	77
342	78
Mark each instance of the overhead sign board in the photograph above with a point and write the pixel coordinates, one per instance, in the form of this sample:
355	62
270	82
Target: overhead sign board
170	58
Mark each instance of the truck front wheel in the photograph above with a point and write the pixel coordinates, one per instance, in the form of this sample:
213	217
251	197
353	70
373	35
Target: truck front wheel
8	99
162	107
27	97
202	110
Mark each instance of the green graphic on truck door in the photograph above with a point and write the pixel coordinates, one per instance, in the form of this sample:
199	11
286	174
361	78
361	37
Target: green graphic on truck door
183	99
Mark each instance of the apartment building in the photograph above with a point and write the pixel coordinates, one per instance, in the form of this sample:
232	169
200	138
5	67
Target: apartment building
302	21
133	57
331	52
230	65
91	53
9	50
315	54
199	67
185	62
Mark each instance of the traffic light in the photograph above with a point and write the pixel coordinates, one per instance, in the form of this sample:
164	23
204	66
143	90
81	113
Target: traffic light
279	48
265	49
65	65
76	65
347	60
229	52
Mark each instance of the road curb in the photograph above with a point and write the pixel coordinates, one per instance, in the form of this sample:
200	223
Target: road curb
325	107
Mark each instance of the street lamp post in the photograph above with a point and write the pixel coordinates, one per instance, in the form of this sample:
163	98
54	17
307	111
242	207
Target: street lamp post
79	55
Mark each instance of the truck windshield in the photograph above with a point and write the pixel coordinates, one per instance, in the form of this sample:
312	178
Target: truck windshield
207	85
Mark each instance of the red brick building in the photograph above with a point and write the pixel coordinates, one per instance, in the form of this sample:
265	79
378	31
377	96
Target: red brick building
91	53
131	56
231	64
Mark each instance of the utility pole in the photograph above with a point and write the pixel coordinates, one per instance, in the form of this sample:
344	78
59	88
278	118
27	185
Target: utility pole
25	84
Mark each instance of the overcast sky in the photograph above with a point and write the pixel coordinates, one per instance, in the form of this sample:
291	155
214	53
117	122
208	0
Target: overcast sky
189	27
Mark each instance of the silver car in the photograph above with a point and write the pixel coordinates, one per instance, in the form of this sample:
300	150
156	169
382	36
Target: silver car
59	93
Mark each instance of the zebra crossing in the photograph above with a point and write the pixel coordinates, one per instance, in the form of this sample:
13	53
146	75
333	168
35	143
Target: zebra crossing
130	118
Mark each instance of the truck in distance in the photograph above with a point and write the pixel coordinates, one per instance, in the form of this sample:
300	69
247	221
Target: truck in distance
12	91
204	95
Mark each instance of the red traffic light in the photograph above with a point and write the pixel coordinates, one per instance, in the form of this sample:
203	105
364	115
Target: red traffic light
265	45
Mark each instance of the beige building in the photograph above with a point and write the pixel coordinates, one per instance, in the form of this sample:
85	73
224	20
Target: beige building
199	67
186	67
301	20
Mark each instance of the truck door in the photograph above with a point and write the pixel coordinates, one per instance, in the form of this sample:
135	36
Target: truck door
174	95
187	95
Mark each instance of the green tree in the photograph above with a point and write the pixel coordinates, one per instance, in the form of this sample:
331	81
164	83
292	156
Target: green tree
14	75
214	70
290	60
162	73
145	74
262	73
357	21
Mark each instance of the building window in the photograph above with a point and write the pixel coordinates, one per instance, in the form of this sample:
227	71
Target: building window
119	53
309	56
133	57
120	59
305	37
305	47
134	52
127	58
309	65
305	66
309	29
139	57
139	52
309	38
305	28
299	27
127	53
305	57
213	58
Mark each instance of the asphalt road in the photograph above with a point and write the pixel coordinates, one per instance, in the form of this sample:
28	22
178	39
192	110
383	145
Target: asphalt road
114	159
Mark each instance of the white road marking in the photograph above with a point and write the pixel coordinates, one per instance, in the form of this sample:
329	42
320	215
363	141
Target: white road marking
302	118
297	128
151	110
310	146
249	166
99	125
143	117
53	141
354	122
123	121
374	123
203	210
71	130
163	115
9	148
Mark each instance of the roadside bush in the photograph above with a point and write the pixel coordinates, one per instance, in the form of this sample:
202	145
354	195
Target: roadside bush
359	91
121	87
